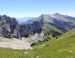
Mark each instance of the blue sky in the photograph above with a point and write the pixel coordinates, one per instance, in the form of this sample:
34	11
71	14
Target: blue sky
34	8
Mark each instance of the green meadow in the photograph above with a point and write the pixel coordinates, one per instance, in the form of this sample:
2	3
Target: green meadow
63	47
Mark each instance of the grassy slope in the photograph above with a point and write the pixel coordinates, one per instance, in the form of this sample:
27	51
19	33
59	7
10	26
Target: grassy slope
63	47
47	26
49	29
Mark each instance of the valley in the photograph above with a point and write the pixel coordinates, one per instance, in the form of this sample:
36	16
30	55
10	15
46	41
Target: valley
46	36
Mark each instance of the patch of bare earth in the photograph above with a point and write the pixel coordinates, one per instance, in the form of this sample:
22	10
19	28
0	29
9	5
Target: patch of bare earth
24	43
15	43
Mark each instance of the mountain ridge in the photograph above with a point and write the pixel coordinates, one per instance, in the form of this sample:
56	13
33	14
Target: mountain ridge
35	25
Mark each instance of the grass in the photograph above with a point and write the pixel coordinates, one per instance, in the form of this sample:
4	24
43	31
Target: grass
63	47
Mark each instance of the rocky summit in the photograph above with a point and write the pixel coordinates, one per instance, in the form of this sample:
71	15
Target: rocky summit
9	28
46	23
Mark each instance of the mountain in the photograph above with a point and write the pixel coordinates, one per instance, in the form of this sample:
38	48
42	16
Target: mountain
10	27
49	24
62	22
7	25
52	23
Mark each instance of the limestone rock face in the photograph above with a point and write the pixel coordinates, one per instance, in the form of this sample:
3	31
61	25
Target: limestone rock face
9	27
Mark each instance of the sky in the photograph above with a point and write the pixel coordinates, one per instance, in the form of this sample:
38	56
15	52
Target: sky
34	8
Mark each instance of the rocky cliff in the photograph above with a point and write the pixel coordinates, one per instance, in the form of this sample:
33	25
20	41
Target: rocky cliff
9	27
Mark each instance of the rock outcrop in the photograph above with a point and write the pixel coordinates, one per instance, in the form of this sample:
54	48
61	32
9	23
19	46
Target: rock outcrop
9	27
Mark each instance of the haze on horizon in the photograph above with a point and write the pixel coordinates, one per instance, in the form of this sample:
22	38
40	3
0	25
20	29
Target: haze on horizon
34	8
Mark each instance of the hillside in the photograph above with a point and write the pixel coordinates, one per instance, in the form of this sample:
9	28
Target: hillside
63	47
62	22
49	29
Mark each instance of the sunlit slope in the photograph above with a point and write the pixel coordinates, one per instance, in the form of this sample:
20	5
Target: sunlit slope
63	47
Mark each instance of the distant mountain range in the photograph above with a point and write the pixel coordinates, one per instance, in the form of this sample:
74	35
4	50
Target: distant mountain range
64	22
25	20
47	23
